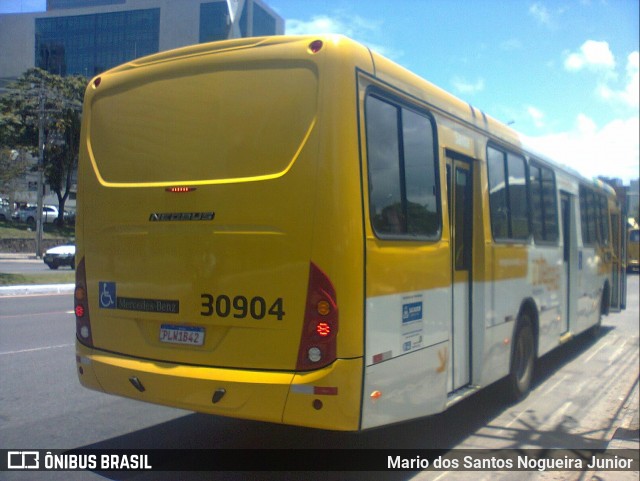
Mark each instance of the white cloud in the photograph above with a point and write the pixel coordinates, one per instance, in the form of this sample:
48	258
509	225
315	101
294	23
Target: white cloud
464	86
619	89
317	25
511	44
611	150
353	26
349	25
629	94
540	13
592	55
536	115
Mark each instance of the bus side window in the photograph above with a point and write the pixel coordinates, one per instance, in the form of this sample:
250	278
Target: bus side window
544	208
508	198
402	171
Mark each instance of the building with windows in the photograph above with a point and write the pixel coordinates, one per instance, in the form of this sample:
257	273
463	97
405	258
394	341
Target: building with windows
86	37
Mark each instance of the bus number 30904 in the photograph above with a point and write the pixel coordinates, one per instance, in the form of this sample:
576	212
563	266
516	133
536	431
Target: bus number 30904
241	307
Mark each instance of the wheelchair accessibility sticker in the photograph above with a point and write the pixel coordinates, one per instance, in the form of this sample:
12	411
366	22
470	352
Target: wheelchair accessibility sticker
107	295
109	300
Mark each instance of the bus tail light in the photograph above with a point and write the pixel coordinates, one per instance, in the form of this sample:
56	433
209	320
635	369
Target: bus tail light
81	306
319	331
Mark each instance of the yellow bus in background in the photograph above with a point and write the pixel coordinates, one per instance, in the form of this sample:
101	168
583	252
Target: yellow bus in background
633	250
297	230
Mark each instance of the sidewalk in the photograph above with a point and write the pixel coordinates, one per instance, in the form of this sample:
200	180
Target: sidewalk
7	291
10	256
625	437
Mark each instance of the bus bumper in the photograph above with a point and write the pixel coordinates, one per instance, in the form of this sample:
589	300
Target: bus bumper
328	398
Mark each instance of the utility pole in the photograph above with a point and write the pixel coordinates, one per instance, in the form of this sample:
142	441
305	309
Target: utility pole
40	185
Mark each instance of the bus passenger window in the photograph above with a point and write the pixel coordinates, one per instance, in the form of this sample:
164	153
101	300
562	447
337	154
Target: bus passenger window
384	166
402	171
544	208
497	194
518	199
508	199
419	172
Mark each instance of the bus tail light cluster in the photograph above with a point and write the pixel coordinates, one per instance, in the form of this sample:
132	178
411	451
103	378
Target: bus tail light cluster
81	306
319	332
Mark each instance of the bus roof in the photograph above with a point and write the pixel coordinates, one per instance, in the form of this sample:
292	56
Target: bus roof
383	68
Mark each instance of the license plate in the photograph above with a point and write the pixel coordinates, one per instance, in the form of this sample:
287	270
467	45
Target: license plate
192	336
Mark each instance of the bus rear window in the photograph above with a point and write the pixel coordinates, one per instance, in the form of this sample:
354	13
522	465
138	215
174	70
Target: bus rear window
228	124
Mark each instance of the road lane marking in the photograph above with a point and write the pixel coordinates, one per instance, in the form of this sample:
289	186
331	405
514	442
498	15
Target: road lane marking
596	351
556	419
553	386
618	351
514	419
36	349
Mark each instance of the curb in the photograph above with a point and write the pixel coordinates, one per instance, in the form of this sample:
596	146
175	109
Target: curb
626	435
50	289
624	438
17	256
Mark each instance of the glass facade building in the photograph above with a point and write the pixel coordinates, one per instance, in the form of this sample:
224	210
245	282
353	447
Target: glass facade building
263	22
86	37
89	44
57	4
215	22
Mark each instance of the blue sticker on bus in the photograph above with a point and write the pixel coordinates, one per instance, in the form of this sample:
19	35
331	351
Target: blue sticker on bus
411	312
107	295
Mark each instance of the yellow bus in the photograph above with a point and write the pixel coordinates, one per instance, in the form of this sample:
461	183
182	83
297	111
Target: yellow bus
297	230
633	250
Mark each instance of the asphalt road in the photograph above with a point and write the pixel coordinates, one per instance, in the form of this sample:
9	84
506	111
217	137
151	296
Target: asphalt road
26	266
580	393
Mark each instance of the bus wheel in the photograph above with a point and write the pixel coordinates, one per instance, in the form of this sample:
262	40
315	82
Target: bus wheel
522	360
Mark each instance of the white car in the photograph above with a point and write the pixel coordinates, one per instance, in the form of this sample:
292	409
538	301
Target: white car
64	255
5	210
28	215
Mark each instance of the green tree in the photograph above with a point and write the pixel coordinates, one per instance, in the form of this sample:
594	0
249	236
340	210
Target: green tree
12	166
41	98
62	159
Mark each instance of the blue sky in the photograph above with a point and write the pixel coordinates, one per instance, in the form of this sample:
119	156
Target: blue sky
564	72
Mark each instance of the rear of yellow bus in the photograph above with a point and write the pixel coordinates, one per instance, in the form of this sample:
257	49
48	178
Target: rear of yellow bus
633	250
219	232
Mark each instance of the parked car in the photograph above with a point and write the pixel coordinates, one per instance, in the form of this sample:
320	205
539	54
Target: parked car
5	210
69	216
28	215
63	255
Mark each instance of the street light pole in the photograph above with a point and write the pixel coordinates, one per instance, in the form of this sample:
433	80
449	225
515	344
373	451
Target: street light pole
40	185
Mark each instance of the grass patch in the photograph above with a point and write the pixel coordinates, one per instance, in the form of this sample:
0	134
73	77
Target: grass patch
68	277
18	230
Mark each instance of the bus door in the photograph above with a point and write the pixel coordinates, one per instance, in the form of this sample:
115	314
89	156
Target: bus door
570	257
460	196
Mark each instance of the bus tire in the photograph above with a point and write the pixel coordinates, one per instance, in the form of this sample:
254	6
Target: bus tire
522	360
